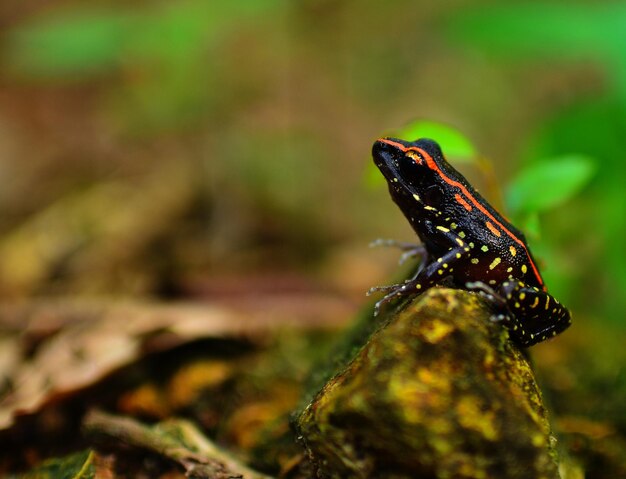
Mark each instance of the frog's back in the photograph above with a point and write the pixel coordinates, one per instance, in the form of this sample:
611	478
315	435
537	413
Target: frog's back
493	240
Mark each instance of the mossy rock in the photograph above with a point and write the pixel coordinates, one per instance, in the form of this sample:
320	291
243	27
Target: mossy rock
438	391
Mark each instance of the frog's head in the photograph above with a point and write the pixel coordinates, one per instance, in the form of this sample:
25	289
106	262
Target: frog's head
411	168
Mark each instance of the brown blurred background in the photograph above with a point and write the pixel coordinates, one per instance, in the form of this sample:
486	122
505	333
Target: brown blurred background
186	148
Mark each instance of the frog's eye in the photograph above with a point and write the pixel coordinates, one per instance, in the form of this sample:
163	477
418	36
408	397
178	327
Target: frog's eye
415	157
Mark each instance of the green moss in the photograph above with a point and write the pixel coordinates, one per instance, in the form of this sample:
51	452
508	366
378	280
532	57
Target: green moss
75	466
436	391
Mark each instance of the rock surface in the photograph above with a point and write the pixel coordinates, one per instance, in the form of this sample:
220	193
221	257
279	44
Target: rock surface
437	392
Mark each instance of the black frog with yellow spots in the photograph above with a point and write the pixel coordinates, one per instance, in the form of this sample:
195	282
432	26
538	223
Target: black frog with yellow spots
465	241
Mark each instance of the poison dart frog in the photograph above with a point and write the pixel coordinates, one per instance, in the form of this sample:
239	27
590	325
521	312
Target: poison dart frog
465	242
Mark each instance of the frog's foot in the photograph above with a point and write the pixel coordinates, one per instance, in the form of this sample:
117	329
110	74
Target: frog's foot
393	291
487	292
410	250
503	316
500	318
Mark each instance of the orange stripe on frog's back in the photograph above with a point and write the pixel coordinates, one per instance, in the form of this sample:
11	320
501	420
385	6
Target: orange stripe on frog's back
462	202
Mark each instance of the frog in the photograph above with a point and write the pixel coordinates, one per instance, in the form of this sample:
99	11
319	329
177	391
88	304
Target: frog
465	242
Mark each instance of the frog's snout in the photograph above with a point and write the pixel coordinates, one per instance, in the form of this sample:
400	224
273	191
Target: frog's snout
390	146
380	149
386	152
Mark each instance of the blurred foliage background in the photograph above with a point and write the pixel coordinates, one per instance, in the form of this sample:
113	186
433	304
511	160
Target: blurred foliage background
198	147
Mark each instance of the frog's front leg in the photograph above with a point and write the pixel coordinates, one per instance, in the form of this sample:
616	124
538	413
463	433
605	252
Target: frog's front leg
530	315
429	274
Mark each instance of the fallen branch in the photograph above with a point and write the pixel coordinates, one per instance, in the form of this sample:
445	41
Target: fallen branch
179	441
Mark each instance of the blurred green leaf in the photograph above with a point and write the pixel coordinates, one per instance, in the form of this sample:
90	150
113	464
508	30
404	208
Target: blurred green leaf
453	143
90	41
372	177
166	51
76	42
172	33
574	31
547	184
530	225
595	128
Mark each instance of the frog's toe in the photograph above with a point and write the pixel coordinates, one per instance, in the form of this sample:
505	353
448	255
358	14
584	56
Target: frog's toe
500	318
393	291
404	246
378	289
418	251
386	299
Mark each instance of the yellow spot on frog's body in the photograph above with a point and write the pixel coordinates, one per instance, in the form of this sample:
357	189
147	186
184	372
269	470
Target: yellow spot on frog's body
547	302
524	269
458	255
441	228
445	265
512	250
522	296
461	234
492	281
453	225
535	303
484	248
439	260
418	286
395	180
517	304
430	208
417	197
509	269
459	241
440	271
474	260
495	262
